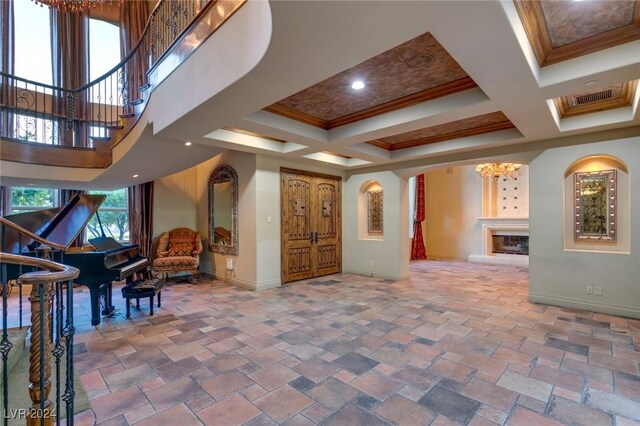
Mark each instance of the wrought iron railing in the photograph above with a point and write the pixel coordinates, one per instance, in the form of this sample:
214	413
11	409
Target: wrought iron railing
51	341
36	112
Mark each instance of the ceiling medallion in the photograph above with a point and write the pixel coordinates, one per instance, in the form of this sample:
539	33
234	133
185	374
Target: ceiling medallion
419	61
75	6
498	170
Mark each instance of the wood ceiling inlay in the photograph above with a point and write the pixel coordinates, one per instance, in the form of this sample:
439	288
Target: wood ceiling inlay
413	72
569	21
597	99
559	30
456	129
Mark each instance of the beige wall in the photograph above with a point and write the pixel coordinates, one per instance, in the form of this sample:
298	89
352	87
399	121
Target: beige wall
182	200
559	275
386	256
174	202
453	200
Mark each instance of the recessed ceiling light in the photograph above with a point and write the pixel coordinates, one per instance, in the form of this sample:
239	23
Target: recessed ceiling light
187	143
30	184
357	85
590	82
135	176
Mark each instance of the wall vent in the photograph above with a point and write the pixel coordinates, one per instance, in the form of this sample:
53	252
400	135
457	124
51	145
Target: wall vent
594	97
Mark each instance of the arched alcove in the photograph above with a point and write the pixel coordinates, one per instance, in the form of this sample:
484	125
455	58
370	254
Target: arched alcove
596	205
371	211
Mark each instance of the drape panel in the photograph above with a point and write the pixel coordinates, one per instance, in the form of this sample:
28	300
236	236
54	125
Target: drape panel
70	66
133	19
418	250
65	196
7	60
4	190
140	198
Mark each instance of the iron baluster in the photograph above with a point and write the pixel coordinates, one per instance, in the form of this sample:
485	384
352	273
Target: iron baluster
5	344
68	332
58	350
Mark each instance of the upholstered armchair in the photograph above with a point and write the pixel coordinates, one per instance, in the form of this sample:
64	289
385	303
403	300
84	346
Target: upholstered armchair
178	251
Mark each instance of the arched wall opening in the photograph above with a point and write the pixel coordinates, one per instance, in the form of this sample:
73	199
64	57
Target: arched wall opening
371	211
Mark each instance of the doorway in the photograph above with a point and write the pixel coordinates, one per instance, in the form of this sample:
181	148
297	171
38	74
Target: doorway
311	230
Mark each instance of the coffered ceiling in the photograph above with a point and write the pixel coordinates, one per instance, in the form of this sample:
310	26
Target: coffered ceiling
559	30
598	99
456	129
413	72
446	82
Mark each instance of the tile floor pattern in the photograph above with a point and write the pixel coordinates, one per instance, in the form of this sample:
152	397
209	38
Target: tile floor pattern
457	343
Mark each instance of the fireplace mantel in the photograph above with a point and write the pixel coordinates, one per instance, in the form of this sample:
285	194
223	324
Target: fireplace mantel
494	225
501	220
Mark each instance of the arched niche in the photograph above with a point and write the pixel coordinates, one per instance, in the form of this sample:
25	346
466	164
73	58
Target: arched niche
223	210
596	205
371	211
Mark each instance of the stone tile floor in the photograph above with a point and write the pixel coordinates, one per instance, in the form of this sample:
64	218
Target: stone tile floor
457	343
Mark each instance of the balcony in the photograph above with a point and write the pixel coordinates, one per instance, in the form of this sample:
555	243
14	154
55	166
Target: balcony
85	128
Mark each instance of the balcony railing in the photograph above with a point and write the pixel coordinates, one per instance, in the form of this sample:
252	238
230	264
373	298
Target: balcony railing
105	109
50	348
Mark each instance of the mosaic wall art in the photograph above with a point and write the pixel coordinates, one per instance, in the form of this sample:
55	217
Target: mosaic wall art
595	205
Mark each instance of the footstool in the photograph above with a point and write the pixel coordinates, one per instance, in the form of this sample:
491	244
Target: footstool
142	289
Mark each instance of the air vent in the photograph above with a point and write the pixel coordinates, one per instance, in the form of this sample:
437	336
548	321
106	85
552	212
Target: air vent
594	97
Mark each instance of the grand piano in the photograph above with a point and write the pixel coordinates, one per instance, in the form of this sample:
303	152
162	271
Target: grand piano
109	261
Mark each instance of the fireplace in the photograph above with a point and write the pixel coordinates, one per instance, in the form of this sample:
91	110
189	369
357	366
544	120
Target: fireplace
504	241
510	244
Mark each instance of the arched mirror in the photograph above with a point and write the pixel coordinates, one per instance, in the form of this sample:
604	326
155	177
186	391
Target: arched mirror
223	210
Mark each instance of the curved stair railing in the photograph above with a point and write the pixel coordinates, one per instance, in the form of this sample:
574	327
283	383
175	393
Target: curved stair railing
104	110
51	338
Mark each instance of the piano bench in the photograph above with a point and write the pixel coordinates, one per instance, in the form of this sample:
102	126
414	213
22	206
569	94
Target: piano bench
140	290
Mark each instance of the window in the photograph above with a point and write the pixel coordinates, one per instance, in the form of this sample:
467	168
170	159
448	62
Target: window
32	42
104	47
32	129
30	199
114	215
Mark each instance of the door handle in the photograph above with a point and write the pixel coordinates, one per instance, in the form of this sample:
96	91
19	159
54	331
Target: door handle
311	234
316	237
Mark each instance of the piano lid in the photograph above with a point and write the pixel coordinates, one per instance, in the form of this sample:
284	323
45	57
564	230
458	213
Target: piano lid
35	221
61	225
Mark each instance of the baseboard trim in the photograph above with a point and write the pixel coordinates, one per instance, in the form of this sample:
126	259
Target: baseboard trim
252	285
376	274
500	260
588	305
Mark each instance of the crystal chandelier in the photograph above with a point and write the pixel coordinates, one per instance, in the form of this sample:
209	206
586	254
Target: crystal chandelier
73	6
498	170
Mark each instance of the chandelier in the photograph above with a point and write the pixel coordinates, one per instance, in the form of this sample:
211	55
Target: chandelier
498	170
73	6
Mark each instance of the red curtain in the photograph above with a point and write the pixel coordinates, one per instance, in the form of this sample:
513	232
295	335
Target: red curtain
418	251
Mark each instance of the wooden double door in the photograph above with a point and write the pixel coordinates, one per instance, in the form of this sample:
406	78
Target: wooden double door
311	225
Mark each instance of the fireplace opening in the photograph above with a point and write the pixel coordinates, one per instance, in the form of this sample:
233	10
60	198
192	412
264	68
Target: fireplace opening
510	244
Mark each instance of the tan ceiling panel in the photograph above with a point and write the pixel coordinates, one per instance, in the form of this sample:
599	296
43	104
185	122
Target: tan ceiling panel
413	72
570	21
559	30
597	99
456	129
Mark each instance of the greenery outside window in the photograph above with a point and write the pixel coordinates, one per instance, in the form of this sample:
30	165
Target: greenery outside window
30	199
114	214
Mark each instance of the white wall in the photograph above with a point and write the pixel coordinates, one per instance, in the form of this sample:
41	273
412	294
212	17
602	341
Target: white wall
389	254
559	276
453	200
